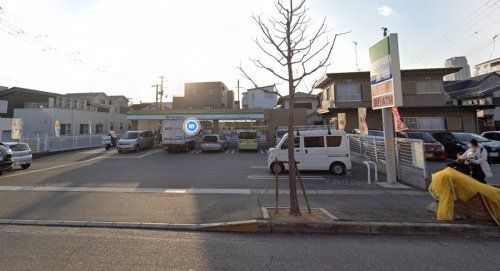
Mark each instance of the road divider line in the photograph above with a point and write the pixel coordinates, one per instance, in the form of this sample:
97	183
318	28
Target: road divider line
149	153
230	191
258	167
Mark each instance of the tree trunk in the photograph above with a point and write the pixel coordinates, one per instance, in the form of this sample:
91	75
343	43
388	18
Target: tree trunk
294	201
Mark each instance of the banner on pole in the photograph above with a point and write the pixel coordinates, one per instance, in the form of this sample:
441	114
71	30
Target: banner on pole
400	125
17	128
341	121
57	127
363	127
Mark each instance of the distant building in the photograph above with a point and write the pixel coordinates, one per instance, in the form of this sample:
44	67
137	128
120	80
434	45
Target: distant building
206	96
79	114
303	100
457	62
487	67
260	98
481	90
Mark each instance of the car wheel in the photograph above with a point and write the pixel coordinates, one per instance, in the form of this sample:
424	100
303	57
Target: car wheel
337	168
25	166
279	166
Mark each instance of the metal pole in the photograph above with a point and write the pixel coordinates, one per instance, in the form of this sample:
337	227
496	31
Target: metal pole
277	185
297	173
390	152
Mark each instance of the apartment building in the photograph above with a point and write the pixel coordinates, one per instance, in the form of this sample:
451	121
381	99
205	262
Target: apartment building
205	96
486	67
425	103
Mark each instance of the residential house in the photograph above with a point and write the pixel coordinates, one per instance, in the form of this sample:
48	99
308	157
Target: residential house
260	98
205	96
486	67
303	100
424	107
482	90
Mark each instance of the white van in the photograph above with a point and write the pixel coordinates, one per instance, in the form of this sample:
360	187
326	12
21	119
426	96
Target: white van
322	149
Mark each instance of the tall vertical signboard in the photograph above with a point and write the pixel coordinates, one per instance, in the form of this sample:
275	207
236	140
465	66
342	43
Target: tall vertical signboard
341	121
385	80
57	128
363	127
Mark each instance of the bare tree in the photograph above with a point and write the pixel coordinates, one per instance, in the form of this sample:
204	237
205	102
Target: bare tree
289	43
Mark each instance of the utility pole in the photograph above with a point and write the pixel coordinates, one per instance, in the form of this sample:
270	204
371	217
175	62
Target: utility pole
356	54
238	87
156	93
161	92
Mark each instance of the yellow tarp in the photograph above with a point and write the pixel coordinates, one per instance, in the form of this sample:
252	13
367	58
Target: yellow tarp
465	187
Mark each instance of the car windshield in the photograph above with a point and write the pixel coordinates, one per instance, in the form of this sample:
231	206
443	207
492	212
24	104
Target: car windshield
465	137
248	135
210	139
426	137
131	135
280	134
19	147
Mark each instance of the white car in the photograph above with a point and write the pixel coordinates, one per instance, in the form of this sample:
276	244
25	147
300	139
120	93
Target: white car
492	135
21	154
213	143
321	149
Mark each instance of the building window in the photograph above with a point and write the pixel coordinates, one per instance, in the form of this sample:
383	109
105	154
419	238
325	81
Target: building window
65	129
349	92
269	95
111	126
430	123
121	126
99	129
428	87
253	96
84	129
189	107
208	107
303	105
211	92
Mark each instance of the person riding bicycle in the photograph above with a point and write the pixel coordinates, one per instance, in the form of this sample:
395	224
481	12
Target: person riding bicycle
476	157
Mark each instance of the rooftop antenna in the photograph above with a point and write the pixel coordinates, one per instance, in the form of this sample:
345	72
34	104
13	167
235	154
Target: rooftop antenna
356	54
384	30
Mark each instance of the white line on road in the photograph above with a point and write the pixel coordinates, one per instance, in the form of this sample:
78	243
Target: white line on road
203	190
261	151
228	151
233	150
258	167
271	177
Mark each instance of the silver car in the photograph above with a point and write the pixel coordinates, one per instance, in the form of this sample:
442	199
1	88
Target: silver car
213	143
21	154
135	141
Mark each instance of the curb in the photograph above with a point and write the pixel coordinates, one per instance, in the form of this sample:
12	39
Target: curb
268	226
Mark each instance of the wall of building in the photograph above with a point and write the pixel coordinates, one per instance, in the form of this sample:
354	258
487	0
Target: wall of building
457	62
42	120
279	117
258	99
204	94
18	99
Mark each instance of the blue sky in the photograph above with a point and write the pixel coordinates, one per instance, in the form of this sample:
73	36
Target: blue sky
122	46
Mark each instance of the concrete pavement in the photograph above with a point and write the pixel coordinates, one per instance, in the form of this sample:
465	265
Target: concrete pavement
46	248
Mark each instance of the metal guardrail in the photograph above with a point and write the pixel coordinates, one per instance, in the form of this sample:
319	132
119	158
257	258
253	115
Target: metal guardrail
410	156
52	144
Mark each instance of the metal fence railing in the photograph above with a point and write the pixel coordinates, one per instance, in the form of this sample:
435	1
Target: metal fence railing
410	156
52	144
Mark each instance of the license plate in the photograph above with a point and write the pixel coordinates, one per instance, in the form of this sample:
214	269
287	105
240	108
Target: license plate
429	155
494	154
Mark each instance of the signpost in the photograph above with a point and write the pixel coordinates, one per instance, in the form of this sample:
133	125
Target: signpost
385	79
191	126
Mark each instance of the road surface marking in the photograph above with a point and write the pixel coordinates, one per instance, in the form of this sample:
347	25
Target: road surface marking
234	191
258	167
271	177
228	151
261	151
50	168
149	153
195	151
233	150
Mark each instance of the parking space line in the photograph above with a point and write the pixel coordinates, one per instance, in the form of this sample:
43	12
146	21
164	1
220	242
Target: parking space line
149	153
228	151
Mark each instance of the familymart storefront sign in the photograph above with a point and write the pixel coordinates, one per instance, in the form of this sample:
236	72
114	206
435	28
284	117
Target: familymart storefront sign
385	73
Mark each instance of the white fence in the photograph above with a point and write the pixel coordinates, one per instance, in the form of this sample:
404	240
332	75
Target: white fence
410	156
52	144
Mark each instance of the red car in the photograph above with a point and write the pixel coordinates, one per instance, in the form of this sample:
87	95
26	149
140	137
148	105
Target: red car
433	149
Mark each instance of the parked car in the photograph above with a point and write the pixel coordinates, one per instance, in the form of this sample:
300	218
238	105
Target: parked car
248	141
135	141
21	154
6	158
455	143
321	149
433	149
213	142
492	135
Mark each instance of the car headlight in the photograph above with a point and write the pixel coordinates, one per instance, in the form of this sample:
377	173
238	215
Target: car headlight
9	151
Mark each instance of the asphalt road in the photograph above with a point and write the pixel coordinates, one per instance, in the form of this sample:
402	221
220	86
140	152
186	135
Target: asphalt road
46	248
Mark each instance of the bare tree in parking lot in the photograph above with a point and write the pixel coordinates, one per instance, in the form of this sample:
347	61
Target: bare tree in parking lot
293	49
